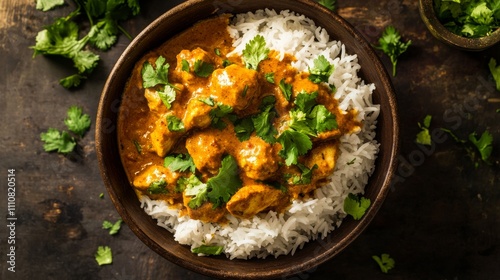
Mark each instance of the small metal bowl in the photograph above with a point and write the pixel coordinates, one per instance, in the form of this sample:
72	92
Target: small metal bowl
437	29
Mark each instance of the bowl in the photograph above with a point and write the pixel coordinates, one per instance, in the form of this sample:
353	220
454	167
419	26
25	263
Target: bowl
426	8
161	241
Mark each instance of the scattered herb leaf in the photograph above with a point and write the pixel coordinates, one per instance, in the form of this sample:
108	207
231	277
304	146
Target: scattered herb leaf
495	70
356	206
321	71
225	183
113	228
180	162
158	187
77	122
424	137
208	250
203	69
385	262
329	4
175	124
286	89
255	51
104	255
390	43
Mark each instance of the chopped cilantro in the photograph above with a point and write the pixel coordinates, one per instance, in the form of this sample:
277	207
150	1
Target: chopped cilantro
103	255
208	250
309	117
495	70
158	75
158	187
197	189
286	89
385	262
203	69
270	77
167	96
219	112
356	206
55	140
225	183
263	122
217	51
226	63
137	146
305	176
45	5
321	119
255	51
321	71
484	144
72	80
351	162
77	122
175	124
293	145
180	162
243	128
101	195
390	43
424	137
329	4
185	65
113	228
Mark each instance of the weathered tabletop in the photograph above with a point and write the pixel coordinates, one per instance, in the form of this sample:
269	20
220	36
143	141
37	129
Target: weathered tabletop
440	221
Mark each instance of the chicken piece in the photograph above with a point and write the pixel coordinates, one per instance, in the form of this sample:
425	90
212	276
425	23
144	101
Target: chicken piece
257	159
155	103
154	173
197	114
324	156
205	213
192	57
162	139
206	149
252	199
235	86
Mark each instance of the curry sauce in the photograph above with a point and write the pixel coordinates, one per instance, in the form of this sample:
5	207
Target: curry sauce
183	139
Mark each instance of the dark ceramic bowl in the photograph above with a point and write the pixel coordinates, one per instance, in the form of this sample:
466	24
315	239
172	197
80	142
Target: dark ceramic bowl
160	240
428	15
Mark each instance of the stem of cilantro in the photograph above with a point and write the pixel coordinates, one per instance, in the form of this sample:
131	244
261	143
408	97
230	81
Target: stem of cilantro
124	32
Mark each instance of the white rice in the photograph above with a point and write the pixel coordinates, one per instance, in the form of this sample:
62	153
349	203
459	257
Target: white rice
278	234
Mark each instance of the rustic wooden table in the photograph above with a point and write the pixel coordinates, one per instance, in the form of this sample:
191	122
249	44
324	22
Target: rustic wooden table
441	220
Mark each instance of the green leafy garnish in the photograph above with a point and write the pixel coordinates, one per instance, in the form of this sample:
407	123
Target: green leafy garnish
305	176
286	89
77	121
329	4
185	65
269	77
424	137
495	71
158	75
356	206
203	69
113	228
226	183
158	187
195	188
243	128
263	122
390	43
208	250
175	124
167	96
293	145
255	51
484	144
219	112
137	146
101	195
321	71
103	255
45	5
180	162
385	262
55	140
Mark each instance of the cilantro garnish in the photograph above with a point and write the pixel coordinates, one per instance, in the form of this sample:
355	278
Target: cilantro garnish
113	228
208	250
390	43
219	112
424	137
385	262
167	96
286	89
180	162
158	187
45	5
305	176
158	75
194	187
329	4
269	77
356	206
484	144
203	69
138	147
293	145
226	183
175	124
243	128
103	255
321	71
263	122
77	121
185	65
495	71
255	51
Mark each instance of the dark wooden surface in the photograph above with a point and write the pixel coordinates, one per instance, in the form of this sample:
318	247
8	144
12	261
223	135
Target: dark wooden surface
440	221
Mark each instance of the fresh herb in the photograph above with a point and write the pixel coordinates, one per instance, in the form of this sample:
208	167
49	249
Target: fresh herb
305	176
424	137
243	128
113	228
321	71
180	162
329	4
484	144
226	63
195	188
495	70
157	75
225	183
286	89
183	183
293	145
175	124
255	51
468	18
390	43
77	122
356	206
263	122
158	187
217	51
138	147
203	69
270	77
208	250
351	162
219	112
45	5
208	100
167	96
309	117
101	195
103	255
385	262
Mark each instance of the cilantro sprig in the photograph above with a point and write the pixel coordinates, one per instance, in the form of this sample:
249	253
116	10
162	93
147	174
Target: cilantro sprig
477	149
329	4
385	262
208	250
356	206
424	136
390	43
255	51
321	71
104	255
113	228
495	71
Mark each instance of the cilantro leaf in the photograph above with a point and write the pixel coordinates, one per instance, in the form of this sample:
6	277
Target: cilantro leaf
225	183
180	162
329	4
269	77
113	228
167	96
175	124
208	250
424	137
72	81
158	187
255	51
322	120
385	262
104	255
263	123
286	89
203	69
185	65
495	71
305	176
484	144
45	5
194	187
54	140
294	144
321	71
390	43
219	112
152	76
356	206
77	121
243	128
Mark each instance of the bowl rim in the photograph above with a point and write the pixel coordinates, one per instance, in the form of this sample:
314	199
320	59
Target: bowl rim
353	229
438	30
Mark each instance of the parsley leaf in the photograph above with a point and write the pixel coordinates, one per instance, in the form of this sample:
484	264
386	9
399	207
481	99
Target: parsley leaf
77	121
495	71
225	183
390	43
158	187
484	144
385	262
321	71
175	124
286	89
103	255
180	162
152	76
203	69
208	250
45	5
185	65
255	51
356	206
113	228
424	137
294	144
55	140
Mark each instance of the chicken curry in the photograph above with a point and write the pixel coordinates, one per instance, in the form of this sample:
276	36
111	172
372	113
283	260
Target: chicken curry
214	133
